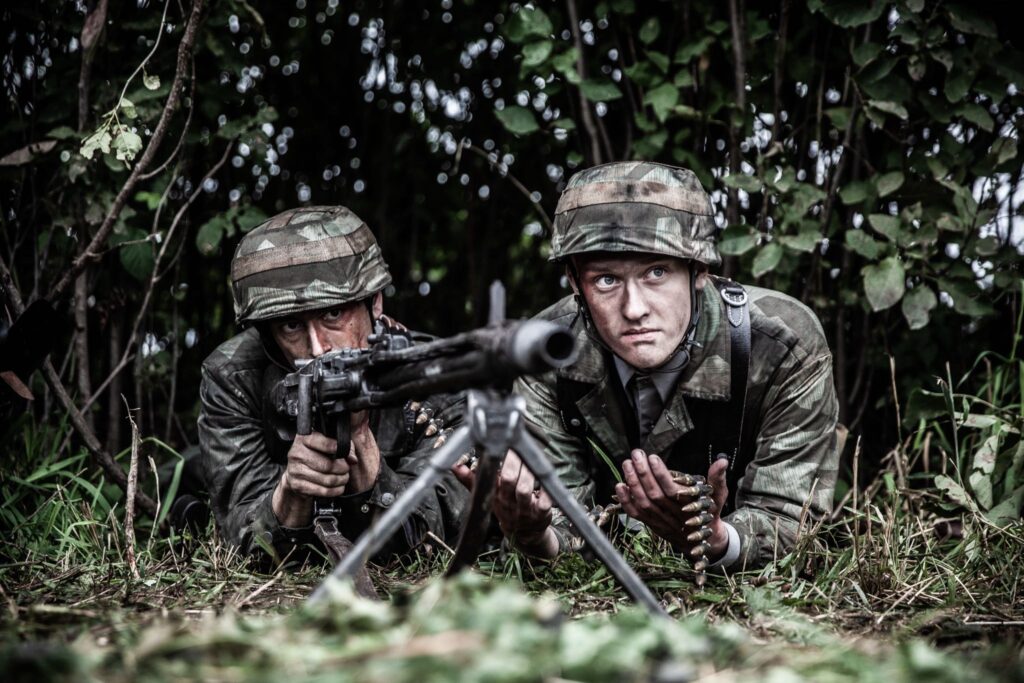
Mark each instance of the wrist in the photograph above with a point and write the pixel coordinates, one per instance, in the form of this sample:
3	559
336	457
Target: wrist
291	509
543	544
718	542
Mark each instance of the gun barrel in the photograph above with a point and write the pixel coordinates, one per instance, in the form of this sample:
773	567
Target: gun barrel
540	345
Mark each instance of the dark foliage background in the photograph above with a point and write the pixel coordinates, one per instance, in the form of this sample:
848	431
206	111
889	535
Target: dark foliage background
863	156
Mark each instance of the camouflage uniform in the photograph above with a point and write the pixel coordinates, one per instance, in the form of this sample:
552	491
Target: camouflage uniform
791	408
302	260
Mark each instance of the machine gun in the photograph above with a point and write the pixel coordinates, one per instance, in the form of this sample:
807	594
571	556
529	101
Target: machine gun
325	391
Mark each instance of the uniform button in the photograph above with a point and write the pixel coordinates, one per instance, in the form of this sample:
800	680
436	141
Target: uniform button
365	508
387	499
575	422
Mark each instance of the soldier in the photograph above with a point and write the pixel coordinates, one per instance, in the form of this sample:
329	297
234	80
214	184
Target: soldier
305	282
679	371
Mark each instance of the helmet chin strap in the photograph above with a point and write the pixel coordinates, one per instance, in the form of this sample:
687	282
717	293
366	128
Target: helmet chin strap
682	351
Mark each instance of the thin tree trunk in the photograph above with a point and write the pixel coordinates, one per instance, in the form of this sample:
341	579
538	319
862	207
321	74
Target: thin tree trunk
588	117
114	403
82	364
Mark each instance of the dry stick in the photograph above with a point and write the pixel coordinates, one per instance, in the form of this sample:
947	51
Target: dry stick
185	129
129	506
156	277
900	455
90	253
581	69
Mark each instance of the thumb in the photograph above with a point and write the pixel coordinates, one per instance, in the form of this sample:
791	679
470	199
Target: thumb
719	484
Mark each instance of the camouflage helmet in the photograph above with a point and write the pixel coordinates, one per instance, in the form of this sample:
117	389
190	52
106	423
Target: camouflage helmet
305	259
635	206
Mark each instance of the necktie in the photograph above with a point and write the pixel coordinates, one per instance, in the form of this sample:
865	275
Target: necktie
647	402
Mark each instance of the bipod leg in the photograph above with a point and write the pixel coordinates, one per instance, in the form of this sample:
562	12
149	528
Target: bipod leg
477	521
387	524
534	458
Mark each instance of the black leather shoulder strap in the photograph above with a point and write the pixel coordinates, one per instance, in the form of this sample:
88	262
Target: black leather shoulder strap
727	433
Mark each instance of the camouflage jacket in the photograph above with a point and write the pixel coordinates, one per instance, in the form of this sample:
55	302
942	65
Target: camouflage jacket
791	412
243	458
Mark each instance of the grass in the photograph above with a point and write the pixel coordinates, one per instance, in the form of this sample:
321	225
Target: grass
918	576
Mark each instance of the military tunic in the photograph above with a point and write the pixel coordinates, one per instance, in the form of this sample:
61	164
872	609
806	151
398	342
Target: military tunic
244	458
790	414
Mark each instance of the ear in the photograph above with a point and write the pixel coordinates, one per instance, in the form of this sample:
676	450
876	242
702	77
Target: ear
702	274
378	305
569	269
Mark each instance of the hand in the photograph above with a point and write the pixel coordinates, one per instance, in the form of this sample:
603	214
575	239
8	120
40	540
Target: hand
650	495
524	514
363	456
311	472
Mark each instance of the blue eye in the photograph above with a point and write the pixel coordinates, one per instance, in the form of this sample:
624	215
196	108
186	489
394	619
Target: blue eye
658	271
332	315
606	280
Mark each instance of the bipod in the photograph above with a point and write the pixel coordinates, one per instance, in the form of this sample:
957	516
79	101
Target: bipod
494	424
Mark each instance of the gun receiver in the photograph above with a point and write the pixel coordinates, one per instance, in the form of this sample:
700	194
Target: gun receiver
393	370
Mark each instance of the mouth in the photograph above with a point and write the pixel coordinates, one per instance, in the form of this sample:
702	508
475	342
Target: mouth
639	334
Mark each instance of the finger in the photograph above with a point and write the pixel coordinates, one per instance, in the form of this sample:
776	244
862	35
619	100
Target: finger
643	463
626	500
718	481
525	508
465	475
508	477
648	511
315	441
663	475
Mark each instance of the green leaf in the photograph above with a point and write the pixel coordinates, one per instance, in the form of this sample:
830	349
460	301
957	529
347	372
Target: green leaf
955	492
884	283
976	114
649	31
528	22
737	240
1008	510
958	83
916	67
864	244
566	123
659	59
805	241
865	53
949	223
964	295
151	81
128	108
840	116
917	306
683	79
886	225
742	181
856	192
62	133
565	64
536	53
211	233
662	99
967	19
126	145
688	51
767	259
137	259
600	91
517	120
99	140
893	108
1004	149
888	183
850	13
650	146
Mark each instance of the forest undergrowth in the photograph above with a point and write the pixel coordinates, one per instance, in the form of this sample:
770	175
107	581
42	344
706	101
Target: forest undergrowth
916	575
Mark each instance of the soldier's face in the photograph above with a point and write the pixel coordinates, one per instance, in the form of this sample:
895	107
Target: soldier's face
314	333
640	304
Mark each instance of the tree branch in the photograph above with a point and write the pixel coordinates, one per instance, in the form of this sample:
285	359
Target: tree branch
185	49
581	69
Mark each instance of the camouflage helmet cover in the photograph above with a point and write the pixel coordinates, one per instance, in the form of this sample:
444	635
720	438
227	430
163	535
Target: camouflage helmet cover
305	259
635	206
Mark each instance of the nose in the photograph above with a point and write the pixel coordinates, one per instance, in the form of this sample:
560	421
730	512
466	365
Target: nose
319	343
634	305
